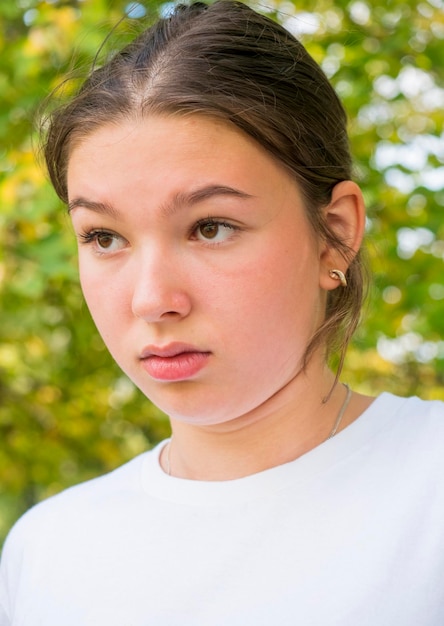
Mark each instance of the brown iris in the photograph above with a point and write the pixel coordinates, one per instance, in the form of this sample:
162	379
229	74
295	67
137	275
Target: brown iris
209	230
105	240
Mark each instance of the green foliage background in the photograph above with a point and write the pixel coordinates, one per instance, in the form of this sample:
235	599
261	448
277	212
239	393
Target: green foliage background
66	412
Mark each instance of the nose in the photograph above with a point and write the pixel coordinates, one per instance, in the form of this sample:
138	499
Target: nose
159	289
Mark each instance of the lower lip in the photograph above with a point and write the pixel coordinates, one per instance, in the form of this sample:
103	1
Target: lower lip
179	367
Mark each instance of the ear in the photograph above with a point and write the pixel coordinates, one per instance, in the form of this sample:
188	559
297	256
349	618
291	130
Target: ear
345	216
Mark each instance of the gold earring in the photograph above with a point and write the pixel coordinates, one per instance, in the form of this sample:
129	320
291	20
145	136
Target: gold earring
338	275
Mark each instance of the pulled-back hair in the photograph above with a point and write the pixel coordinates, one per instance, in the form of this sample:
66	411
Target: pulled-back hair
226	61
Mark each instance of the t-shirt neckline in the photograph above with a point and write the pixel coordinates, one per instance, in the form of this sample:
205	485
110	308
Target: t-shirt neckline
376	418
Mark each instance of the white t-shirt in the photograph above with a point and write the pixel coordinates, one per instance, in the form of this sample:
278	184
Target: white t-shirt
350	534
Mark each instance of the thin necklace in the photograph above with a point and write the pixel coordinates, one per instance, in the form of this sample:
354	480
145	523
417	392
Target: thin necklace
167	460
332	434
341	412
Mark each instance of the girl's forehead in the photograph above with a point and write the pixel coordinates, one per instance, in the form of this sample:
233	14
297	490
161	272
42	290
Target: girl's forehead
197	127
165	147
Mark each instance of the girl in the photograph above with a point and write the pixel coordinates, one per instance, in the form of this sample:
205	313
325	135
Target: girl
207	174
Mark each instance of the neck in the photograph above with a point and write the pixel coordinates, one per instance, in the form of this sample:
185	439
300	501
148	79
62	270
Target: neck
287	426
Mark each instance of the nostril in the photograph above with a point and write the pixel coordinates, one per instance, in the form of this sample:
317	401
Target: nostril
161	304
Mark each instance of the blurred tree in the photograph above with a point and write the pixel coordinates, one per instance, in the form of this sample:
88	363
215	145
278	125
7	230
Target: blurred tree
66	412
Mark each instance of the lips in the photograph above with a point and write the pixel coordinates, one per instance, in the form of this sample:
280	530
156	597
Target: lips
173	362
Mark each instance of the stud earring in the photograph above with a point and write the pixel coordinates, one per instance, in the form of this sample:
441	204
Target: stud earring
338	275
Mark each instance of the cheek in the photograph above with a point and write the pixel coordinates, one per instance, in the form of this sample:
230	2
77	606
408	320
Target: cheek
92	287
283	277
104	296
273	296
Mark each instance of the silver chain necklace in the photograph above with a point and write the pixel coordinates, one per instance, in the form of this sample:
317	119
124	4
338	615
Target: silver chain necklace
342	410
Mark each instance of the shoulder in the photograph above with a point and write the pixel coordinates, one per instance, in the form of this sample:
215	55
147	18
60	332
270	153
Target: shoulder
79	505
410	429
412	412
410	416
74	522
396	432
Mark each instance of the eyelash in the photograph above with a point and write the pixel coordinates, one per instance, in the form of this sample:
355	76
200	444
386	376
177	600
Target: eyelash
91	236
209	222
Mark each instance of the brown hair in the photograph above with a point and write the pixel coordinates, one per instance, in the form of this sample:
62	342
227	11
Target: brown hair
227	61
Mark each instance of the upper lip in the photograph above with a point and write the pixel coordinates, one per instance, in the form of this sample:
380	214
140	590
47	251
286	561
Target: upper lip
169	350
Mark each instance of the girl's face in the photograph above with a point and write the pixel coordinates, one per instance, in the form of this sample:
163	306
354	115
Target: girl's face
197	262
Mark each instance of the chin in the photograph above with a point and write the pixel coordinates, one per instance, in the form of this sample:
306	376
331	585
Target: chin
194	411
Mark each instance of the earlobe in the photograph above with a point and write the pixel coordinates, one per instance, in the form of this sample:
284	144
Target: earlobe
345	217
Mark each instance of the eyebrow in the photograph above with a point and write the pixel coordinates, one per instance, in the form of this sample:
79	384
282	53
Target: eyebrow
179	201
97	207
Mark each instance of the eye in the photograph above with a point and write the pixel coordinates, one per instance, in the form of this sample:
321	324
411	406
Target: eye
213	230
103	241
